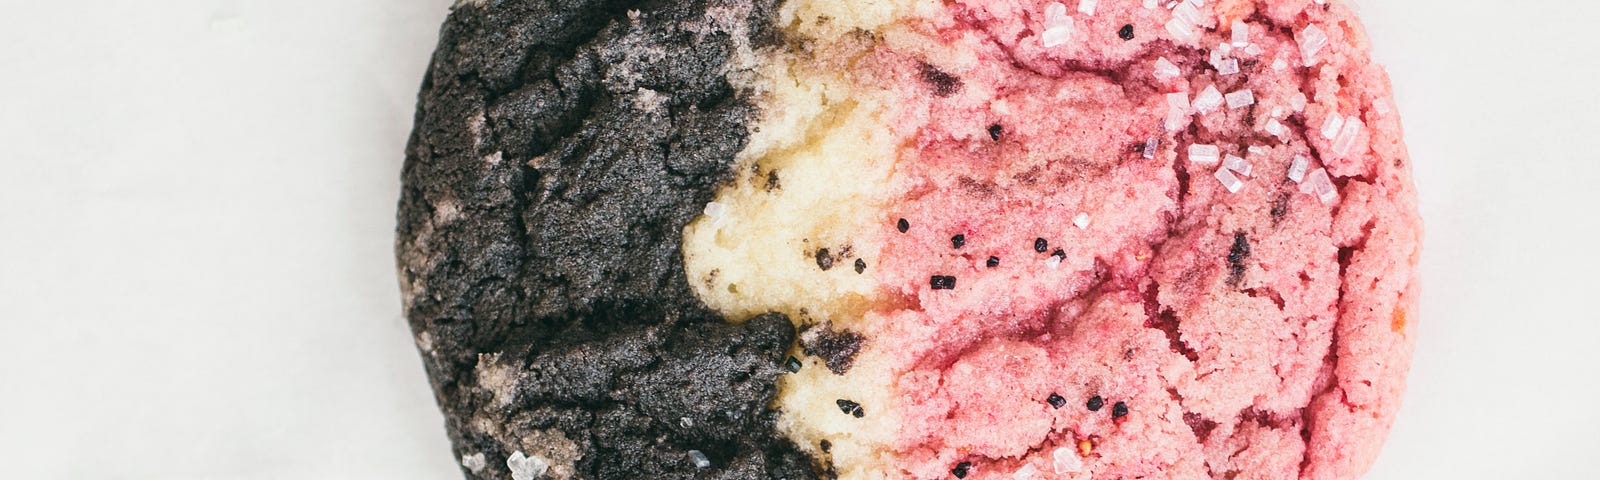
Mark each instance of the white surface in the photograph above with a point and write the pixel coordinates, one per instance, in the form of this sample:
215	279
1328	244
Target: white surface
195	240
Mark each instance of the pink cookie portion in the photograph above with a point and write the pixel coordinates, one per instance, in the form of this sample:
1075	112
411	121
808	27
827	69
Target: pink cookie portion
1243	328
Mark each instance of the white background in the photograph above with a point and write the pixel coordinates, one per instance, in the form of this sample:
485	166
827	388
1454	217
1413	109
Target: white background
197	202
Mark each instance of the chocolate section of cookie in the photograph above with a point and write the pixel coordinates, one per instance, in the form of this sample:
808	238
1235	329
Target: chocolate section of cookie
559	149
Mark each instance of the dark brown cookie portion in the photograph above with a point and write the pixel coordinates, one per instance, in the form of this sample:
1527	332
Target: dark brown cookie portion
559	149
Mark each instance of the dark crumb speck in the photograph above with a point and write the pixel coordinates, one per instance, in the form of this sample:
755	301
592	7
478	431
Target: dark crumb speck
772	181
1280	207
1096	403
1040	245
793	365
851	408
824	259
942	282
861	265
1119	410
961	469
994	132
944	84
1059	254
1237	254
1056	401
902	225
827	446
958	241
1126	33
993	262
836	348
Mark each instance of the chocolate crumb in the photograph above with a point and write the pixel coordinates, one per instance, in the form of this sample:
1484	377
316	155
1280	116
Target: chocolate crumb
993	262
942	282
944	84
851	408
1280	207
958	241
861	265
827	446
994	132
1040	245
902	225
836	348
793	365
1056	401
1126	32
824	260
1119	410
1237	254
1096	403
961	469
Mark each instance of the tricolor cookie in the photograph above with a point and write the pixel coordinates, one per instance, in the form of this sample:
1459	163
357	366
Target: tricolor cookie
910	239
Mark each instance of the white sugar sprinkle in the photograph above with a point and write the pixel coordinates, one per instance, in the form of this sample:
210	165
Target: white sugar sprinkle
1067	461
1177	111
1279	64
1228	67
699	459
1253	50
1381	106
1150	147
474	462
1347	136
1056	36
1297	170
1312	39
1057	25
1298	101
1026	472
1183	31
1053	262
1238	165
717	212
1331	126
1204	154
1229	180
1319	185
1055	14
1086	7
1188	12
524	467
1208	99
1165	69
1275	129
1241	99
1082	221
1184	19
1241	33
1149	3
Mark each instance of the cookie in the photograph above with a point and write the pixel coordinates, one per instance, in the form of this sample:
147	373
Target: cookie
910	239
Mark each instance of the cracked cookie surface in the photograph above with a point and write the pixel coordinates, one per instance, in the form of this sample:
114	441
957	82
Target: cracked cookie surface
912	239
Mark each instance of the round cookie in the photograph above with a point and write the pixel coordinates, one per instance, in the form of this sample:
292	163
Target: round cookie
910	239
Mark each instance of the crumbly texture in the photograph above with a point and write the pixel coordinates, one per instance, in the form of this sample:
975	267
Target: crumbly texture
910	239
1236	320
560	148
